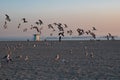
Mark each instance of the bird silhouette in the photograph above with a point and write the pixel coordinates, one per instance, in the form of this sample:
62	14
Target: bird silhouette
80	31
109	34
24	20
37	23
69	32
51	27
93	35
35	27
61	34
7	18
65	25
88	32
40	22
55	24
5	25
93	28
60	27
19	25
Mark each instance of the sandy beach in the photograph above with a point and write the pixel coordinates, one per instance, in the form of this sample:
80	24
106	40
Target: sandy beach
66	60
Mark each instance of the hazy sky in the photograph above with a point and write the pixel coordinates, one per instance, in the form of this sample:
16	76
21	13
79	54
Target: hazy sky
103	14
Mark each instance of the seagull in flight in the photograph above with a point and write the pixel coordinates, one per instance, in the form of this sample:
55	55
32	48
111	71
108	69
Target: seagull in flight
35	27
93	28
40	22
7	18
5	25
24	20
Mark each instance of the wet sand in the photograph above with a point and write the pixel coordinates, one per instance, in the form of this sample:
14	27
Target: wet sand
76	60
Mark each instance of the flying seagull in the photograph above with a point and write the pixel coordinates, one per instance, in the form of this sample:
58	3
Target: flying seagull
65	25
37	23
93	35
19	25
40	22
24	20
35	27
61	34
93	28
80	31
60	27
7	18
51	27
5	25
70	32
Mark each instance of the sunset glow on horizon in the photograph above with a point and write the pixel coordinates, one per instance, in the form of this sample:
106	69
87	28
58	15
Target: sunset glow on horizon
85	14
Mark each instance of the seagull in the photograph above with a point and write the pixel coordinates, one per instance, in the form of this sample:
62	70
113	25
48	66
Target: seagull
93	35
65	25
24	20
35	27
80	31
60	28
19	25
55	24
93	28
7	18
70	32
5	25
88	32
61	33
50	26
40	21
109	34
37	23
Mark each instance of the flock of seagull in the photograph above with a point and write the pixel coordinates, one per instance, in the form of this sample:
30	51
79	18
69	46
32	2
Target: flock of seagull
61	28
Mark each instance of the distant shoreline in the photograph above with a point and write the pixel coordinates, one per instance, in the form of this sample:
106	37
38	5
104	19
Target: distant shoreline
79	38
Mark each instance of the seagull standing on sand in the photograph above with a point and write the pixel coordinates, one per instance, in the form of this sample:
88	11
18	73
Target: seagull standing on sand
57	57
7	57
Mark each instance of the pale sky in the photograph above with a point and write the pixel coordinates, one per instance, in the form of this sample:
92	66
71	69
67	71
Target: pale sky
102	14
